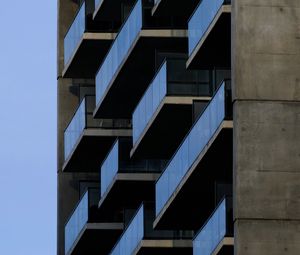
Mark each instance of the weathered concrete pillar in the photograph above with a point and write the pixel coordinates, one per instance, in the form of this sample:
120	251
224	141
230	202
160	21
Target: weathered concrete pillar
266	93
67	102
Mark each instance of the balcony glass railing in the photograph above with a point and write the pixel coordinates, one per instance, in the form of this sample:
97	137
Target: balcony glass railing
140	228
172	79
110	167
219	226
83	118
117	161
119	50
97	3
208	122
74	34
201	19
83	213
149	103
132	235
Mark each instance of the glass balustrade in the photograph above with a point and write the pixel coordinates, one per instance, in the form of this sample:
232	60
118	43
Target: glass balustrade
204	128
118	161
97	3
172	79
201	19
140	228
132	235
218	226
83	118
74	34
83	213
119	50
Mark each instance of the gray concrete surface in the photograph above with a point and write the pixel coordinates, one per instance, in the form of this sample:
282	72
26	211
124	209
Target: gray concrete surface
267	237
266	92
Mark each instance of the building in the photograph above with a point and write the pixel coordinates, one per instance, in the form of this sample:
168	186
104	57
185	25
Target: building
178	127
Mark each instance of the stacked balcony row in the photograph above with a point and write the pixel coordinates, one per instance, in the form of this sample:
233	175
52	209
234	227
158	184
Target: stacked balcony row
156	130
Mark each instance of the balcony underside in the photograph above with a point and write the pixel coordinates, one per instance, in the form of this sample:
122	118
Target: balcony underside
91	149
96	238
127	190
166	129
175	8
136	72
110	10
214	163
214	48
163	247
225	247
88	55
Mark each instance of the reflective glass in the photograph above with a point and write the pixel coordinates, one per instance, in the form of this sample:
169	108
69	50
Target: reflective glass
149	102
212	232
119	50
132	236
201	20
109	168
83	118
75	128
74	34
191	147
77	221
97	3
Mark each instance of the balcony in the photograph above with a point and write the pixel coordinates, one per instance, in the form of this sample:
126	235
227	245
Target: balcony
168	99
128	68
85	233
122	177
140	238
203	160
85	45
210	35
216	236
177	9
87	140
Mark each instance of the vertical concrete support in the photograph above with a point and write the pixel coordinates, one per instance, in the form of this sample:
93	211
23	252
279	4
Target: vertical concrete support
266	93
67	102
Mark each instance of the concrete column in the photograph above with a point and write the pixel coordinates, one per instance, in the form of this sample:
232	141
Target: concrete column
67	102
266	93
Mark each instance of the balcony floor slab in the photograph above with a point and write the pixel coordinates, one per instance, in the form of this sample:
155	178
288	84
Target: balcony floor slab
91	149
96	238
171	121
162	247
213	163
128	190
88	55
136	72
214	48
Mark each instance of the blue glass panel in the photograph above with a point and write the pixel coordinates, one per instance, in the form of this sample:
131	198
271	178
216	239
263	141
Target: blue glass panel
76	223
191	147
75	128
109	168
131	236
74	34
150	102
97	3
212	232
119	50
201	20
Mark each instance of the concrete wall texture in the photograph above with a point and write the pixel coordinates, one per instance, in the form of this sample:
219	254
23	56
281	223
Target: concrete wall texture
266	92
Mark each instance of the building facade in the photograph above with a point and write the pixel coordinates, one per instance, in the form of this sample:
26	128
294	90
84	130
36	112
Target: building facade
178	127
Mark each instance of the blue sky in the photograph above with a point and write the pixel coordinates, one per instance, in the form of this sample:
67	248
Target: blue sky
28	127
